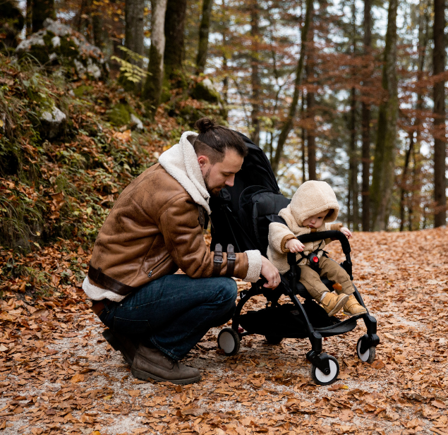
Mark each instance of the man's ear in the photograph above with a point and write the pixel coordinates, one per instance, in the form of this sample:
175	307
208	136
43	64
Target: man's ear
203	161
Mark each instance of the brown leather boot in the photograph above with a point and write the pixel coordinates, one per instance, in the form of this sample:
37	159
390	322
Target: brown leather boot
333	303
121	343
352	307
152	363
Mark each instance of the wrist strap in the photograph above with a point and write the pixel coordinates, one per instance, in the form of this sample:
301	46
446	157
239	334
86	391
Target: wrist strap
231	257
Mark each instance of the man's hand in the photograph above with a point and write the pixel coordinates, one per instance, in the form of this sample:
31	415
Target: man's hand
270	272
294	246
346	232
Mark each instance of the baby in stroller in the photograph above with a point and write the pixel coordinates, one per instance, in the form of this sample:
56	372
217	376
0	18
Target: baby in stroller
312	209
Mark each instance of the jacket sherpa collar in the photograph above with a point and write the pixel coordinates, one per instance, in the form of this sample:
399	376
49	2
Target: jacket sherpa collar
181	162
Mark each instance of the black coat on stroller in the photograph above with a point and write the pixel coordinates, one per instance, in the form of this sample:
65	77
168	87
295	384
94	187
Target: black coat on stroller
240	217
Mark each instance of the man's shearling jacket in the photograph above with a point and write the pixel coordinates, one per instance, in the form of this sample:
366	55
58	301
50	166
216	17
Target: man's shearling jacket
155	228
312	198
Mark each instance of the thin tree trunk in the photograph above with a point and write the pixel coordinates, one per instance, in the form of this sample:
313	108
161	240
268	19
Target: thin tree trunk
287	126
439	115
365	123
29	17
153	85
353	152
310	133
134	10
255	73
41	10
302	114
414	211
384	163
174	33
353	166
97	27
404	180
204	30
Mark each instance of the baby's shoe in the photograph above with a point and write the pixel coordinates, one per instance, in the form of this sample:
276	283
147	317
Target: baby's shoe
333	303
352	307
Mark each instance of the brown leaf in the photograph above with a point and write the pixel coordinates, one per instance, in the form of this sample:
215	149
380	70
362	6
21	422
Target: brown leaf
77	378
378	364
438	404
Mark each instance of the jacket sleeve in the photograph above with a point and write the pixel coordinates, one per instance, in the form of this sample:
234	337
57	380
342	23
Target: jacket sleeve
278	235
182	232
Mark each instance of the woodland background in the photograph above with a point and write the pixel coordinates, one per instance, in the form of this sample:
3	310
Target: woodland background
350	92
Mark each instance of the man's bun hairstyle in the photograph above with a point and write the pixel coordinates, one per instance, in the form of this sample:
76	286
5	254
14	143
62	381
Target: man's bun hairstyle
214	140
205	124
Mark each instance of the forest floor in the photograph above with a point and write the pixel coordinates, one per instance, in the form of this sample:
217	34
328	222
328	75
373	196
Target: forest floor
58	375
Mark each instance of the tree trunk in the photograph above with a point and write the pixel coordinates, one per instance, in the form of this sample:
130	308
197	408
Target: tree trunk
414	208
97	26
134	10
153	85
353	152
353	167
255	73
404	180
174	33
383	168
302	114
204	30
29	17
310	132
288	124
42	9
439	115
365	123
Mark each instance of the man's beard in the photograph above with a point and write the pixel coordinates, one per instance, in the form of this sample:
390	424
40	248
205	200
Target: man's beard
215	190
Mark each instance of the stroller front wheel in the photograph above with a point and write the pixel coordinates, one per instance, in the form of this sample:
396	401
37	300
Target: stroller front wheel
320	377
229	341
368	356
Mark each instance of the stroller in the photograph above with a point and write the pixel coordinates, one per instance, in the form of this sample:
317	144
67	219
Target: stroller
240	217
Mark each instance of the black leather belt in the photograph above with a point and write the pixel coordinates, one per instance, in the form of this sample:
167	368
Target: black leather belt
109	283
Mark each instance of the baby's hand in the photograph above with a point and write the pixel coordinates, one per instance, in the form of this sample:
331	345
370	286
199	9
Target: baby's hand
294	246
346	232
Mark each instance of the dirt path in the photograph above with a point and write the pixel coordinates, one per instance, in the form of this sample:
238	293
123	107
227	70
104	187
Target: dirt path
58	375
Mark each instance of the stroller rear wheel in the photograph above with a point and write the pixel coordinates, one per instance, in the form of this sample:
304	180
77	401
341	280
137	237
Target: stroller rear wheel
320	378
229	341
368	356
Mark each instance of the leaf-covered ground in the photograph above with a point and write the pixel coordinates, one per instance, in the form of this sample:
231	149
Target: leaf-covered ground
58	375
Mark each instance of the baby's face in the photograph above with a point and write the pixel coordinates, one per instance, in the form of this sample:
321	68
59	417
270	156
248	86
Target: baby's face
315	221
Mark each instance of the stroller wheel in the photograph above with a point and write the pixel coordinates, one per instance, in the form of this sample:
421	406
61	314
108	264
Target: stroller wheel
368	356
320	377
229	341
273	339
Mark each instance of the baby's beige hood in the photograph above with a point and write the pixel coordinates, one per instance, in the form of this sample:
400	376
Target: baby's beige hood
311	198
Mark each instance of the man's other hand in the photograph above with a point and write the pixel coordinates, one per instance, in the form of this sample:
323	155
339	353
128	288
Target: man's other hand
270	273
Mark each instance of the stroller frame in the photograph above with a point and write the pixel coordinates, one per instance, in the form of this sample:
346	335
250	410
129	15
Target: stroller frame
325	368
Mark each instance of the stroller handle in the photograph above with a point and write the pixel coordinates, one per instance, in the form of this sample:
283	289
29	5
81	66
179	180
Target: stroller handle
337	235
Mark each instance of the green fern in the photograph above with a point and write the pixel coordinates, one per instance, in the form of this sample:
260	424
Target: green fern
130	71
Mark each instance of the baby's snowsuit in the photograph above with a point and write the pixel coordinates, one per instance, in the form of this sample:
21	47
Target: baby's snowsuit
312	198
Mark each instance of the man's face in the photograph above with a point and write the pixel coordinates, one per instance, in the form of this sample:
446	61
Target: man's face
221	174
315	221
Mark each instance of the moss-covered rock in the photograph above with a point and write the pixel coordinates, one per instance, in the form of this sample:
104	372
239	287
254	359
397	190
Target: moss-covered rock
204	90
58	44
120	115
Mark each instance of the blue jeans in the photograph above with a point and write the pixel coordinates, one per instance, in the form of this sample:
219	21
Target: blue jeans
174	312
